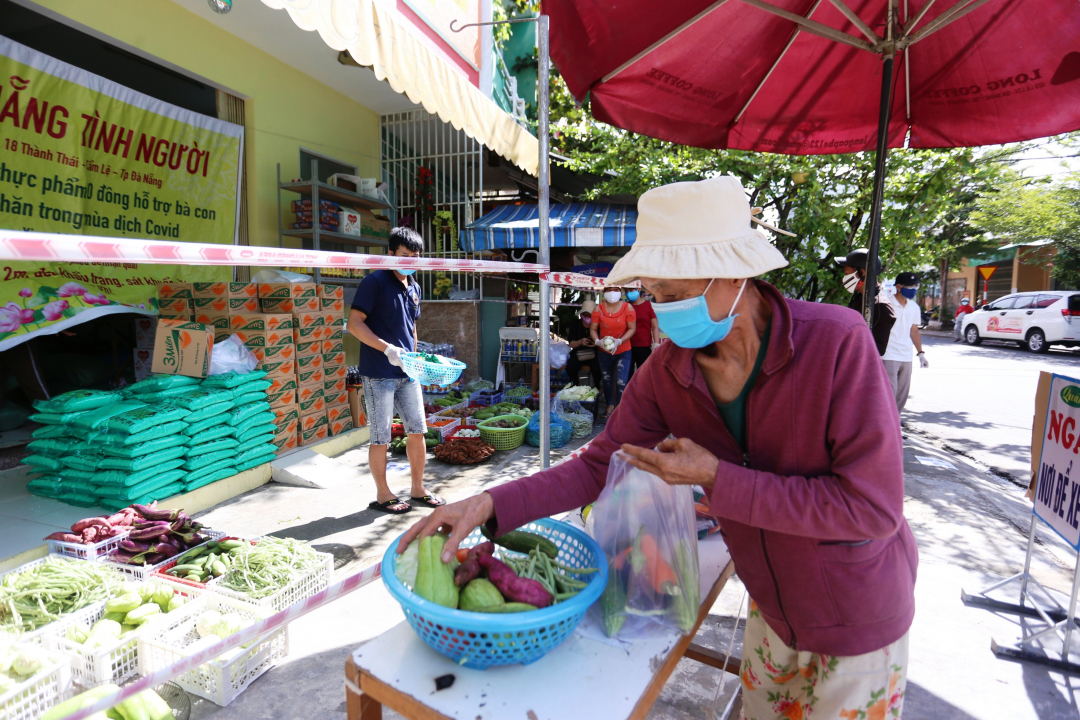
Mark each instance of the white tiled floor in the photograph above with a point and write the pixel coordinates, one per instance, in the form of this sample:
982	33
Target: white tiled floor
25	519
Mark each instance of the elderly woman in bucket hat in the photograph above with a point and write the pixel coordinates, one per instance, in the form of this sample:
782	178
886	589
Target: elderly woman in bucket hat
753	400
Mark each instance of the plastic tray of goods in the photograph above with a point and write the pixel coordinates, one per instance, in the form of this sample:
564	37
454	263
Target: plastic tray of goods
29	699
456	406
457	433
222	679
479	398
86	551
115	661
299	589
450	424
163	571
143	572
63	623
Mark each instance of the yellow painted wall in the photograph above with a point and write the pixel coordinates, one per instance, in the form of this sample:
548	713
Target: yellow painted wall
285	110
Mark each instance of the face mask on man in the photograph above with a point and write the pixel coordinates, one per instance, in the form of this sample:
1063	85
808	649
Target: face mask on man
851	281
909	293
612	296
964	301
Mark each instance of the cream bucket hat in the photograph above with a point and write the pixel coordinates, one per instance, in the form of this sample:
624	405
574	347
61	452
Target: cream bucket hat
698	229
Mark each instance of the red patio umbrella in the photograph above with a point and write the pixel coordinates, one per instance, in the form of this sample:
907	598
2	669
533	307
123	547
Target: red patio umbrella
806	77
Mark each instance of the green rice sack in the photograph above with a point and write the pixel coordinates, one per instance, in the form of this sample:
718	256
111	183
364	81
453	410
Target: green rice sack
256	431
161	396
73	474
98	419
208	468
82	486
51	432
122	477
43	463
215	433
222	418
82	461
213	477
166	492
78	401
49	486
212	446
146	448
232	379
237	416
248	398
78	499
130	492
200	461
255	442
257	386
118	440
200	397
144	418
208	412
254	421
157	383
255	452
53	448
55	418
255	462
141	463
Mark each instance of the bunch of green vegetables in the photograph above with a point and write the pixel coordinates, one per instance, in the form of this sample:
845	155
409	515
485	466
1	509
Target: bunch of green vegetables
133	606
260	570
520	391
146	705
47	592
212	559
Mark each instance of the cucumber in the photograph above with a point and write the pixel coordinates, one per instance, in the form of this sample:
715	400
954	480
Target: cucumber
218	569
185	569
230	544
507	608
523	542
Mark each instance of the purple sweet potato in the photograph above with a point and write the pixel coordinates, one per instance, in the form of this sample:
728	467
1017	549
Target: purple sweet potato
65	537
512	587
470	569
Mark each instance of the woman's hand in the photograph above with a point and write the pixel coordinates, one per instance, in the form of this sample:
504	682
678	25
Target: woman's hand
458	518
676	462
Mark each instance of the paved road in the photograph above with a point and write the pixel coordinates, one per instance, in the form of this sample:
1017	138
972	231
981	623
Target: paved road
981	399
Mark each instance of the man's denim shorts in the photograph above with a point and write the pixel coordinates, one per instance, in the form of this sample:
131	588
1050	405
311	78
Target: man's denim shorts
382	395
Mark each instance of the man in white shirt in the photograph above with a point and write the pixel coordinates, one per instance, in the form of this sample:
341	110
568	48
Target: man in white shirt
904	338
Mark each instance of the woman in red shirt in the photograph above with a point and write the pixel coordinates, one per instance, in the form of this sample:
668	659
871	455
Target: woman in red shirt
647	334
614	319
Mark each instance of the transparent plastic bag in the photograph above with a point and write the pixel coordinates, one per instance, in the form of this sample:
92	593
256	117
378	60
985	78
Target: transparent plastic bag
647	530
559	434
231	356
559	353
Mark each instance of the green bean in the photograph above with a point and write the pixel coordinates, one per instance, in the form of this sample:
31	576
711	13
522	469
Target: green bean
47	592
573	570
262	569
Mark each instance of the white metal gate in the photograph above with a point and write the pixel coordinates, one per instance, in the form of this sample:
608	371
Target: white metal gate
430	168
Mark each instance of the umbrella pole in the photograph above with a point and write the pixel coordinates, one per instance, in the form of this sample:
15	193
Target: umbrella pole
543	201
882	154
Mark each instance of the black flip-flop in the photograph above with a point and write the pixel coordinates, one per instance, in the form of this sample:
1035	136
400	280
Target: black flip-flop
385	506
431	501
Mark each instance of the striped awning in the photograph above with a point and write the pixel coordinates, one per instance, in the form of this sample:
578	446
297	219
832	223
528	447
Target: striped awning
572	225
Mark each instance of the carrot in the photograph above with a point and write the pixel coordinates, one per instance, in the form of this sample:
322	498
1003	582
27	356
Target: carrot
462	554
661	576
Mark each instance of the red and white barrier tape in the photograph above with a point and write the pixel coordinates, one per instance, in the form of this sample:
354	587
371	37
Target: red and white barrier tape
18	245
577	280
346	586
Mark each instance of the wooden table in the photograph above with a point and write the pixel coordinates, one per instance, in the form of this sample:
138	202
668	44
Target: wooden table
582	677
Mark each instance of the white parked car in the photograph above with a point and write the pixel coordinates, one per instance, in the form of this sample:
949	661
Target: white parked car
1035	320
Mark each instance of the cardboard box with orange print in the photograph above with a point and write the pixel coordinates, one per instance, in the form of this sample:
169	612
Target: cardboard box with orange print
265	338
333	346
286	441
282	399
314	435
276	353
261	321
284	413
276	305
309	320
287	290
305	305
312	405
309	349
334	332
331	291
356	406
182	290
339	426
332	360
243	305
310	378
341	372
336	412
225	290
334	385
309	362
335	397
217	320
214	305
174	307
182	348
284	368
332	305
308	334
279	385
313	419
303	394
289	426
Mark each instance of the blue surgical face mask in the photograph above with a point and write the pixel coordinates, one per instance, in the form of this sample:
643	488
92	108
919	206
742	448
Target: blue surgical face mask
909	293
632	295
688	324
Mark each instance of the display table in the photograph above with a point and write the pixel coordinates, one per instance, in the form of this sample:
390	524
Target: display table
582	677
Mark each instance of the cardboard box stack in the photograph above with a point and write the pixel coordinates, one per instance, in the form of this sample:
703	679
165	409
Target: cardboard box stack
332	354
143	354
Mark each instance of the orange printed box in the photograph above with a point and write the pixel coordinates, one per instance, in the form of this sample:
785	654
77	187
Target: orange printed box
284	368
332	320
247	322
282	399
218	320
265	338
215	305
315	435
335	385
286	441
341	425
176	290
336	412
276	305
332	305
280	385
309	363
331	291
339	373
314	419
330	360
305	305
308	349
333	346
182	348
310	378
277	353
335	397
225	289
303	394
243	305
308	320
333	333
287	290
285	413
314	405
308	334
292	426
174	306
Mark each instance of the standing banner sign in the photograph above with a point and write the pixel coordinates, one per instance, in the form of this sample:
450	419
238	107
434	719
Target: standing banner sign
1057	490
82	155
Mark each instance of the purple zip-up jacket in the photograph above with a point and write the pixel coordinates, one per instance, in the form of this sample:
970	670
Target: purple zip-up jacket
813	512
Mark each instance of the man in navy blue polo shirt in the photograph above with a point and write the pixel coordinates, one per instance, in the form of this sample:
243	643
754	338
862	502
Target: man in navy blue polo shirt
383	318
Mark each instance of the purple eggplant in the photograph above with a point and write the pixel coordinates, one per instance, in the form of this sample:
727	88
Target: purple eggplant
196	539
152	514
168	550
149	531
154	558
133	547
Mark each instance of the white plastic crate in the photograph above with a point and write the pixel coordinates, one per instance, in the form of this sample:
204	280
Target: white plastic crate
445	430
299	589
223	679
118	661
143	572
29	700
89	551
65	621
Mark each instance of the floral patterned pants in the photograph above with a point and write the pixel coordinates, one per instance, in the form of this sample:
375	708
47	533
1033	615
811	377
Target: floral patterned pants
783	684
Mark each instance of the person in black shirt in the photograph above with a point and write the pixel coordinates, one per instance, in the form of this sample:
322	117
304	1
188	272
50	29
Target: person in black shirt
582	349
854	269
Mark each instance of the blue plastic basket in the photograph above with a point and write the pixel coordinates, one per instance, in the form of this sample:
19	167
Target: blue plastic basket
480	640
429	373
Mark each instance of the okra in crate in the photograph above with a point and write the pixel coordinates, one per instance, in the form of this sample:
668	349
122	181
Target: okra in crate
103	646
274	573
202	623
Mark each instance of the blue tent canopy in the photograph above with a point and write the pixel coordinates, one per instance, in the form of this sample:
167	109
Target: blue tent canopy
572	225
